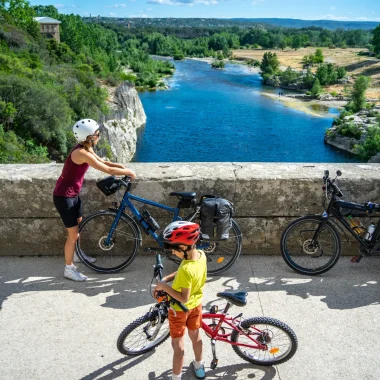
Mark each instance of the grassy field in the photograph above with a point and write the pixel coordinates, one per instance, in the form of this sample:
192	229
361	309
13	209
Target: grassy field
354	64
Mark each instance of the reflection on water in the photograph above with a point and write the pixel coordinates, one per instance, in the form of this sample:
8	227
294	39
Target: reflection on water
323	109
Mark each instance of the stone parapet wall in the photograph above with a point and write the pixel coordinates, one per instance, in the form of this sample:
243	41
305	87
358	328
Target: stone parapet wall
267	196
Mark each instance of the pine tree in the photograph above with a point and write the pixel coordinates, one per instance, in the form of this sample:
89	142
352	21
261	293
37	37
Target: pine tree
316	89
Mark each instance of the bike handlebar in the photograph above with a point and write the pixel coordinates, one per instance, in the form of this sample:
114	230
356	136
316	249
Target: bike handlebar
158	272
330	183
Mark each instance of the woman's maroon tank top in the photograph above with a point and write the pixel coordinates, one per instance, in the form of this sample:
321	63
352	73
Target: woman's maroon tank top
70	181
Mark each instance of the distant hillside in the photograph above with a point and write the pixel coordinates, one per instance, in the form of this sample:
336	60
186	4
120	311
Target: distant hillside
326	24
241	22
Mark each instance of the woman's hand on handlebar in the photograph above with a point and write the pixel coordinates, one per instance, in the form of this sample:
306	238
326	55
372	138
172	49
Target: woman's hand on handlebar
130	173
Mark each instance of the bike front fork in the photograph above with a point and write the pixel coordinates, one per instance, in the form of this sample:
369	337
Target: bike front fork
214	362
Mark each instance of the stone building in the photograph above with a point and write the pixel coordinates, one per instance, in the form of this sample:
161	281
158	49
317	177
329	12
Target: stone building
49	27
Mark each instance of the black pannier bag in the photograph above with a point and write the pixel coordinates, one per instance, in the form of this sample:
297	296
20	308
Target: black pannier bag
216	214
108	185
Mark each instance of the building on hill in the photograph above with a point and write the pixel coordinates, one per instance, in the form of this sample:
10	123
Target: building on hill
49	27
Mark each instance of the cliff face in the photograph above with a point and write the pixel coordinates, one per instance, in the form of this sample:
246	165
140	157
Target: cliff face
127	115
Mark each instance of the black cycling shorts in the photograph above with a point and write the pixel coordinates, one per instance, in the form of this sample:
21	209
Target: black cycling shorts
70	209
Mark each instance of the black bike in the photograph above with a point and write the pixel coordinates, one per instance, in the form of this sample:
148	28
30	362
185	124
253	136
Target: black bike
311	244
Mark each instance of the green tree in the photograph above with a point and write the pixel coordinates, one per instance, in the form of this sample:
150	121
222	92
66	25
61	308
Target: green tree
296	42
358	98
340	72
322	75
46	11
376	39
269	65
22	14
318	56
283	44
316	89
308	79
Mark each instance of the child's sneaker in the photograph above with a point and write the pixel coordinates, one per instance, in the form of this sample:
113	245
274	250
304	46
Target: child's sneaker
90	259
200	373
72	274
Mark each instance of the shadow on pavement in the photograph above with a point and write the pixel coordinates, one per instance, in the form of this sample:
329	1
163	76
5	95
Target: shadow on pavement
346	286
117	368
230	372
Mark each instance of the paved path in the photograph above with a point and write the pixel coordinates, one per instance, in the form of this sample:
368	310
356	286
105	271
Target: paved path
52	328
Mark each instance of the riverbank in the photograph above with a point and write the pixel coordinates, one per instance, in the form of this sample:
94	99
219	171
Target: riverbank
317	108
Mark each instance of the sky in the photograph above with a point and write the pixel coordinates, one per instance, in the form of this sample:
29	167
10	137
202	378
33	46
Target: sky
340	10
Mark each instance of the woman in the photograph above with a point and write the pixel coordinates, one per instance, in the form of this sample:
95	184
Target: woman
66	193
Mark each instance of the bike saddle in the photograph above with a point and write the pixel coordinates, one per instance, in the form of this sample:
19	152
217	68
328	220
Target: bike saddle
238	299
184	195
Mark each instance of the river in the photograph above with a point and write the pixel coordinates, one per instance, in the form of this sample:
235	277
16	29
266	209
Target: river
210	115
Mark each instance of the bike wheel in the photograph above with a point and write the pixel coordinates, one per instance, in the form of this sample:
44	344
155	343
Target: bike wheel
301	254
221	254
143	335
280	340
109	258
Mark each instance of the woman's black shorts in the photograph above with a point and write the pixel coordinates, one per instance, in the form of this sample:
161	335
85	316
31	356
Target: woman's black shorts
70	209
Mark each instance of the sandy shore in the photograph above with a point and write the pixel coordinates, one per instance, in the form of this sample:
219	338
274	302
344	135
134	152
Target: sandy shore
308	106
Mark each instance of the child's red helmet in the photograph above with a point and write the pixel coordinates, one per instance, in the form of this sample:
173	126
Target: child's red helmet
181	232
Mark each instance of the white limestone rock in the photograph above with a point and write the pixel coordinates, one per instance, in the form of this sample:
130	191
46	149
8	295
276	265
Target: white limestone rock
127	115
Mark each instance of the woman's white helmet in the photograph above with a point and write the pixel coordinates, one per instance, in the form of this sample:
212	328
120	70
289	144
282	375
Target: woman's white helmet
84	128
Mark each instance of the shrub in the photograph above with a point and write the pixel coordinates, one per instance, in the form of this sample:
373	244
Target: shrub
330	134
14	150
178	56
371	144
42	115
217	64
350	130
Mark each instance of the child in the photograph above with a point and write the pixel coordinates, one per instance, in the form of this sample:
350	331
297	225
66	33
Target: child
188	282
66	193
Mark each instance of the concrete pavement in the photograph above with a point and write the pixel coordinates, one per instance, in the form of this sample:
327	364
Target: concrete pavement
53	328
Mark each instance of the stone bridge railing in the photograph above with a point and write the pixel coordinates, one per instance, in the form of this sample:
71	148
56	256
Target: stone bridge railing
267	196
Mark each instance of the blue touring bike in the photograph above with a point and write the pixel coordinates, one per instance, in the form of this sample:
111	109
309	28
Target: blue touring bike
113	237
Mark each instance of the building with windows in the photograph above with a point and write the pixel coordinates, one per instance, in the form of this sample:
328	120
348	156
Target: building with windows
49	27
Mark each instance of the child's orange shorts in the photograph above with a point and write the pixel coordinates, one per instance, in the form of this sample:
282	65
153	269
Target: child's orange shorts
179	321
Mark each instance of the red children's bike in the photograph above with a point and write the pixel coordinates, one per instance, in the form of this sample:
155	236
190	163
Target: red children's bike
259	340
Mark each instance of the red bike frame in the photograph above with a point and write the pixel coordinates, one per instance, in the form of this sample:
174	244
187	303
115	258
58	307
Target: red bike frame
223	318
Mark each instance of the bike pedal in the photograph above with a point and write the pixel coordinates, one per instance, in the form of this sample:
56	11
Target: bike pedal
356	259
214	364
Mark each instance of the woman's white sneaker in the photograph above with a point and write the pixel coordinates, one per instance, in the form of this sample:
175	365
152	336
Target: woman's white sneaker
90	259
72	274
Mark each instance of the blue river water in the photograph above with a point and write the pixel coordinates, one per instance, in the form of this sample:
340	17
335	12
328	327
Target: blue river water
210	115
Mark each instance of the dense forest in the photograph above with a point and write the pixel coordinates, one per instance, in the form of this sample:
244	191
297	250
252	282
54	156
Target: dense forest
45	86
208	42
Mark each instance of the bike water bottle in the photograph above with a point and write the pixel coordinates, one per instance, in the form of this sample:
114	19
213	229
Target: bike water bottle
370	230
151	222
356	225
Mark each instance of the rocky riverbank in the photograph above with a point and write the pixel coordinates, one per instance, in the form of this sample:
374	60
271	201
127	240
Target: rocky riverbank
352	130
